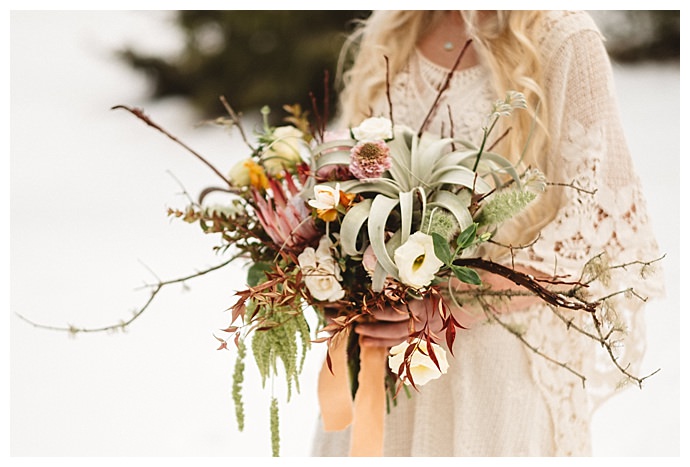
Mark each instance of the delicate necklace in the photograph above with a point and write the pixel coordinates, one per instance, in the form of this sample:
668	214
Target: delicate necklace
448	46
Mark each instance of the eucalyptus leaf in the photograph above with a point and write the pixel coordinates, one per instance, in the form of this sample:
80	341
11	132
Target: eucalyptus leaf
442	249
467	236
466	275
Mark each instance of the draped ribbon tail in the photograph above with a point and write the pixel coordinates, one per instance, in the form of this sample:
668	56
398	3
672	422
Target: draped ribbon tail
335	400
370	403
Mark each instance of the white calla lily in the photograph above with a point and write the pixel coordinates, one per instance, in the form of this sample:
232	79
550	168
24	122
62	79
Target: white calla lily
417	264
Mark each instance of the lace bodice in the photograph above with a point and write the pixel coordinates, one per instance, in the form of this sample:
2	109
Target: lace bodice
536	406
470	96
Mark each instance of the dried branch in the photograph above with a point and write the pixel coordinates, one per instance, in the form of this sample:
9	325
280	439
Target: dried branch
573	186
236	120
493	315
139	113
122	325
388	91
443	89
529	282
556	301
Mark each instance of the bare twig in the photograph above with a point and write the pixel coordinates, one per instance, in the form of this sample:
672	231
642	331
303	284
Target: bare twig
573	186
236	120
155	288
529	282
444	87
388	92
139	113
493	315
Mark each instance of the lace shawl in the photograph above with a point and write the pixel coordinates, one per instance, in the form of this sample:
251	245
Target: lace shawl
501	398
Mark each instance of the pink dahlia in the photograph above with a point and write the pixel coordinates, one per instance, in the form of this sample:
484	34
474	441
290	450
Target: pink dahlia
370	159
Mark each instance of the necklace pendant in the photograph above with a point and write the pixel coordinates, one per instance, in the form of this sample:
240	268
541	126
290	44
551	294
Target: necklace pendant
448	46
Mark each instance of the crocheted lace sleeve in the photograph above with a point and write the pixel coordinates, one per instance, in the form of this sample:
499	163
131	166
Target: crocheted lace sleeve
603	218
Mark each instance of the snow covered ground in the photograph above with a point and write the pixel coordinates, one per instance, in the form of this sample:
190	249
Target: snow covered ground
89	191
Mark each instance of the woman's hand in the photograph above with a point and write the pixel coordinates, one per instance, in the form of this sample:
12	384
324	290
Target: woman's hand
393	326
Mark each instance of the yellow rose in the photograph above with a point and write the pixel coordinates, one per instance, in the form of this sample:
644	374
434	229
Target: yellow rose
247	172
287	148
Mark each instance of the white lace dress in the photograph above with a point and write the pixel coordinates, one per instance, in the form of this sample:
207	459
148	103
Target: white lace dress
499	398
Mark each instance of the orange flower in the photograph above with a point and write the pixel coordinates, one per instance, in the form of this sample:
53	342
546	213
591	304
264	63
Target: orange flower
346	199
257	176
327	215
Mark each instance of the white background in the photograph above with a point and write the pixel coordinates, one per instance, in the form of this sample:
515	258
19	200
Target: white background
89	191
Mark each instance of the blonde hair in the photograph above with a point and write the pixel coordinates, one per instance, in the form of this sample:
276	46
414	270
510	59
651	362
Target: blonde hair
505	45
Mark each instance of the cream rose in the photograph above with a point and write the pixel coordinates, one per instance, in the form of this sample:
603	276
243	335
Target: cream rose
287	149
321	272
373	129
422	367
416	261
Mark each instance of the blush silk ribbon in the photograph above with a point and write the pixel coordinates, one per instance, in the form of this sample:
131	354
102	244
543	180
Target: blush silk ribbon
366	413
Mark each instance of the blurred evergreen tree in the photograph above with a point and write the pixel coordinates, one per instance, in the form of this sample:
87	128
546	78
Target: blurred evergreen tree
640	35
253	58
269	57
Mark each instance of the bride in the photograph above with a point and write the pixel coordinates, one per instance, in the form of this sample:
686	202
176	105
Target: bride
501	397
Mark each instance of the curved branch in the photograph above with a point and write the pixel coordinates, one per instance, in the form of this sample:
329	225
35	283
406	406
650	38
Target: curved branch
527	281
139	113
123	324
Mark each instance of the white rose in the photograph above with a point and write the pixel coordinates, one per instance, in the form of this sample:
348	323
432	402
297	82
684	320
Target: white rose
374	129
322	281
307	259
417	264
323	252
422	367
321	272
326	197
287	149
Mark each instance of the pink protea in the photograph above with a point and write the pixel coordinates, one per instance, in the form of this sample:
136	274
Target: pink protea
370	159
285	219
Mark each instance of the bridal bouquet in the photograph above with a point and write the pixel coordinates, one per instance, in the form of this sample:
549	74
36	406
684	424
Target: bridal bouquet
338	227
348	222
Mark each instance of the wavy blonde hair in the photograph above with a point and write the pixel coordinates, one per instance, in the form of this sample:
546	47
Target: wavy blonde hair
506	45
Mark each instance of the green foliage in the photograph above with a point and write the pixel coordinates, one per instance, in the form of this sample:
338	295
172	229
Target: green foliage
504	205
442	250
257	273
252	57
280	338
257	57
442	222
275	428
640	35
237	380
